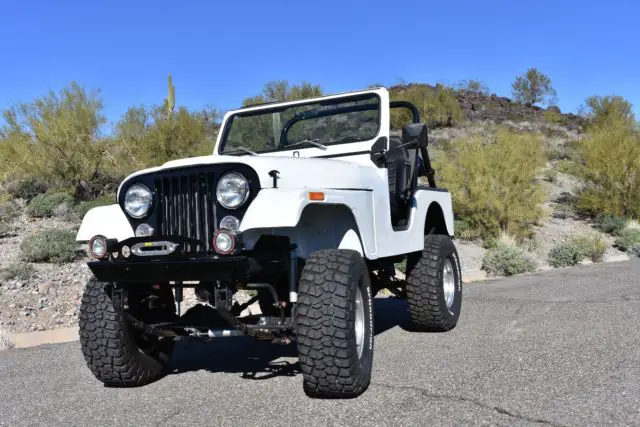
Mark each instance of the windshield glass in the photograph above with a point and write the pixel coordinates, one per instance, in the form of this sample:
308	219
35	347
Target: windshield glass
324	123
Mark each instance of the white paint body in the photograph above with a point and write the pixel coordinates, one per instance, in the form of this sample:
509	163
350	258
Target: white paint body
354	214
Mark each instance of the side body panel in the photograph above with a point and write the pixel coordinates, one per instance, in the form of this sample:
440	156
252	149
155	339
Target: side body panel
340	218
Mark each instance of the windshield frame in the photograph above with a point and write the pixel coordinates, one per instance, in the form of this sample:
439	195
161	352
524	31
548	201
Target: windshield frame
283	106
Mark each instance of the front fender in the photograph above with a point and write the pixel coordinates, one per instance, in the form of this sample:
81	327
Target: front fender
275	208
108	221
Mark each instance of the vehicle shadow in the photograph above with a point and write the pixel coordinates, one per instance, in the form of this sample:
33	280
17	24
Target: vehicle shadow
259	360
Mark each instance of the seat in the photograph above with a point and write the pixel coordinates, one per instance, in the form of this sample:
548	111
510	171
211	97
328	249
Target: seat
400	164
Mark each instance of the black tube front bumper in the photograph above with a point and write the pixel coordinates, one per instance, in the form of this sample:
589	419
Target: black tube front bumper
159	271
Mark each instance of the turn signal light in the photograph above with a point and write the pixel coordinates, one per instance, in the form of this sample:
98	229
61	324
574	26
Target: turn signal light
316	195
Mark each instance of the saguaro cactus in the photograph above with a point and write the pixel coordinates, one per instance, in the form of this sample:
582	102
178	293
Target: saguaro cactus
171	98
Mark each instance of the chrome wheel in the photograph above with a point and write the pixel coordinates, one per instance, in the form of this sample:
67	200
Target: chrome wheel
448	283
359	324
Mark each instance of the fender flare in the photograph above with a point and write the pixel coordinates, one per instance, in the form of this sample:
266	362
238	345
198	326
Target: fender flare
108	221
274	208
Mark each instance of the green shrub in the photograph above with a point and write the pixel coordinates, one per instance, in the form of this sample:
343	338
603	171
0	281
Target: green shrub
563	211
628	238
27	188
550	175
18	270
567	166
8	211
53	245
6	230
604	109
634	251
610	169
473	86
438	105
464	230
82	208
402	266
55	137
506	260
609	223
493	183
592	246
44	205
565	254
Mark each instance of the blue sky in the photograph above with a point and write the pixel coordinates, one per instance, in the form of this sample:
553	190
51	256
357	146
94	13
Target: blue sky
220	52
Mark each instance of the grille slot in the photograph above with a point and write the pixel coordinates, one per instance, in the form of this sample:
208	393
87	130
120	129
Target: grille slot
186	206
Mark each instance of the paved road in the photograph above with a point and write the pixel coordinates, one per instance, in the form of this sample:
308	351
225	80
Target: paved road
560	348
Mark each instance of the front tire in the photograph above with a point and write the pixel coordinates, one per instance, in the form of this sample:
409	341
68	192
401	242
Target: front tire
117	354
334	324
434	285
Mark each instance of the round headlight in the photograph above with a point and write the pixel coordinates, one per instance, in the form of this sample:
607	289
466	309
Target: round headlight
138	200
98	247
232	190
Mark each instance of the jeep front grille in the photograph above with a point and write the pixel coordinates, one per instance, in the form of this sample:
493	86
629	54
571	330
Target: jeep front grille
187	206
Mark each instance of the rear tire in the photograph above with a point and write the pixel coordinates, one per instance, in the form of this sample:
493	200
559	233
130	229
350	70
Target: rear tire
117	354
434	285
334	324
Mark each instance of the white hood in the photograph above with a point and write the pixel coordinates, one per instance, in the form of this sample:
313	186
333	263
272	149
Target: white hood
295	172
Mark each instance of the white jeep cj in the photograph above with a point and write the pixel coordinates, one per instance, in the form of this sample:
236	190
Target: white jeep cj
310	204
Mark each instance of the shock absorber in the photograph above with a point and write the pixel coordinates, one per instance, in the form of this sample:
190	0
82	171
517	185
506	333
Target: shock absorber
178	295
293	275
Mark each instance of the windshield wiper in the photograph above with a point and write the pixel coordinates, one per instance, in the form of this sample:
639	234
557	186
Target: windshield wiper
313	142
246	150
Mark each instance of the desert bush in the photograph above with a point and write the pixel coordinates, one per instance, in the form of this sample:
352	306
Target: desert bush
6	230
474	86
82	208
563	211
18	270
464	230
627	239
609	223
52	245
565	254
8	211
550	175
567	166
506	260
150	137
592	246
533	87
493	183
27	188
54	137
438	105
282	90
610	169
608	109
45	205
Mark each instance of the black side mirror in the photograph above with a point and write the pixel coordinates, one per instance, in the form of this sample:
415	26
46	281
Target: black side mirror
415	133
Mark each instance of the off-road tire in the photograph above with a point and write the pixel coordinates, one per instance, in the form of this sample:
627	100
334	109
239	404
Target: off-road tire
326	322
425	291
109	345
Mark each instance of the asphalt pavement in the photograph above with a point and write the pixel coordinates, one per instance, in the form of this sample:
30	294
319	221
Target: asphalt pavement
555	348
